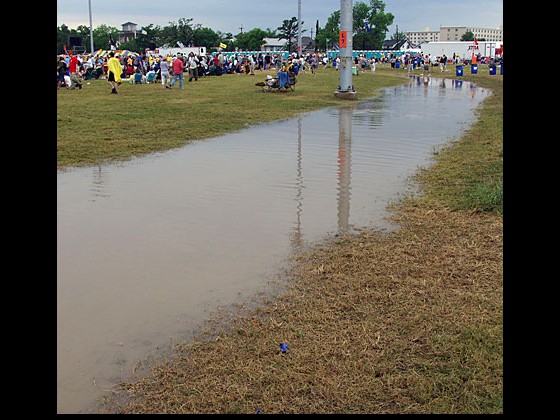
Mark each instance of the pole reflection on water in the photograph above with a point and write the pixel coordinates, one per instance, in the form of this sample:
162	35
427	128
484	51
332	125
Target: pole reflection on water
297	234
344	164
145	258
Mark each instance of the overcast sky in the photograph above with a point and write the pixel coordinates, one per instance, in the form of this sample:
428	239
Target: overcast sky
230	15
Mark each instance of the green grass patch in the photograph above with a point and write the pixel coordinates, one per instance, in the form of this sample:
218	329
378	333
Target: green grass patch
95	126
468	175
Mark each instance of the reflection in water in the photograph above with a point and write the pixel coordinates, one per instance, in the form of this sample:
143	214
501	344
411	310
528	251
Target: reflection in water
296	233
442	87
344	163
98	189
179	234
472	89
426	81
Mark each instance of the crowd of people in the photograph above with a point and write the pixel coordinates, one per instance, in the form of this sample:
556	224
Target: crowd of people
72	69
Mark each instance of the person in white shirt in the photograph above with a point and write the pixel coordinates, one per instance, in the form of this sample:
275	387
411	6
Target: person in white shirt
192	62
164	67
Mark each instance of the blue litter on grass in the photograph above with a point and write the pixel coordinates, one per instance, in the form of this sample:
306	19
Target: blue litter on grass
284	347
258	410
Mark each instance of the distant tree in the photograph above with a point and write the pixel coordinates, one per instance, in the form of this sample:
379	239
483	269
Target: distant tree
467	36
226	38
206	37
378	22
103	35
271	33
250	41
148	37
369	29
180	32
361	27
370	25
289	32
328	36
62	36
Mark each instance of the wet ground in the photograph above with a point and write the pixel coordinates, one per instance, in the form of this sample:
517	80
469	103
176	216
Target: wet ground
147	249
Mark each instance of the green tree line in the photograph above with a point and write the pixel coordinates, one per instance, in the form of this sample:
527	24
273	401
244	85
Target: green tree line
369	31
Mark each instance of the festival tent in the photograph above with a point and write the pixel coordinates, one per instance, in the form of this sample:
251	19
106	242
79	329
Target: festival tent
126	53
101	53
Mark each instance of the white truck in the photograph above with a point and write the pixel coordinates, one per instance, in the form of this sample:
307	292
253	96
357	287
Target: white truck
464	49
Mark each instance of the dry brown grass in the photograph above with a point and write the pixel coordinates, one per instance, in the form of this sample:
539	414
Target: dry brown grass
408	321
376	323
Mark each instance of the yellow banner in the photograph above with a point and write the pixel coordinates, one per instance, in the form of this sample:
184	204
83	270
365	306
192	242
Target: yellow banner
222	45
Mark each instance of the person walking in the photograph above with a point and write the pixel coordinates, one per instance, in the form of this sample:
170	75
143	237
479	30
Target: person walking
73	66
373	64
61	70
193	66
443	63
114	71
178	67
165	76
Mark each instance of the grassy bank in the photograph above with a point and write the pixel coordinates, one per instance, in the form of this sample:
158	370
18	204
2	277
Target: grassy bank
402	322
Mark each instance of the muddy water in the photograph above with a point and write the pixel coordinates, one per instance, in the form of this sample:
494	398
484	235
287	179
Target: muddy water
147	249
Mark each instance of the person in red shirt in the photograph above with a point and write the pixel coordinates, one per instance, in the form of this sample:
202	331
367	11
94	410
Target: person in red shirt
178	68
74	68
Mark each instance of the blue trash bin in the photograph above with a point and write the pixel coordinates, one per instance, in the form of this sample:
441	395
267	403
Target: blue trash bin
398	65
459	70
474	68
492	70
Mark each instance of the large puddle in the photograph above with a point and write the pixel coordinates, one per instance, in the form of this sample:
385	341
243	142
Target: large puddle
146	250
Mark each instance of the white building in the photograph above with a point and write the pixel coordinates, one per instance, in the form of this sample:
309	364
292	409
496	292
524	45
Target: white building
454	33
273	44
422	36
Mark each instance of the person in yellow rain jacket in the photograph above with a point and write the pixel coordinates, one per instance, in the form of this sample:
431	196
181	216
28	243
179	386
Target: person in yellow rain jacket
114	71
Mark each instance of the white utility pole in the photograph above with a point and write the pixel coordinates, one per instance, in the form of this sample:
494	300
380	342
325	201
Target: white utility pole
299	51
346	88
90	28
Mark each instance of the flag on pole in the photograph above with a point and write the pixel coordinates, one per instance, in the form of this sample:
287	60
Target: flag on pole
222	45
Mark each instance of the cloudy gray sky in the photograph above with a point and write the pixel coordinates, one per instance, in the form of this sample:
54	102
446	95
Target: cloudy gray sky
231	15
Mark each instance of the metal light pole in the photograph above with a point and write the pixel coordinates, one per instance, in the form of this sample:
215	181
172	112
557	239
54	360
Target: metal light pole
90	28
299	29
346	88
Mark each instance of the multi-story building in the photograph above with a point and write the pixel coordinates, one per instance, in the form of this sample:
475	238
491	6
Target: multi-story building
426	35
454	33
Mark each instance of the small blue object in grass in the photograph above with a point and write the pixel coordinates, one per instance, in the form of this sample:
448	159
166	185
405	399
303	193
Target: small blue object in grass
284	347
258	410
